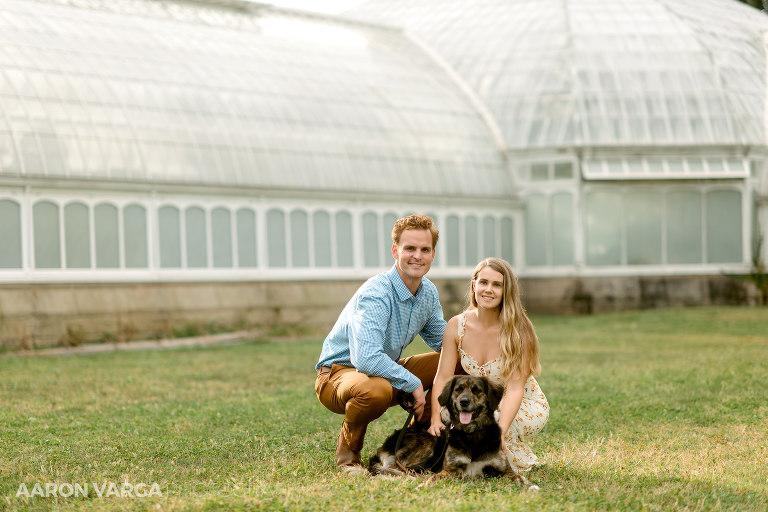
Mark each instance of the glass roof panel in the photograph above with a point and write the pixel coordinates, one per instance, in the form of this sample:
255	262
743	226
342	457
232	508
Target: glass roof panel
664	168
204	94
699	64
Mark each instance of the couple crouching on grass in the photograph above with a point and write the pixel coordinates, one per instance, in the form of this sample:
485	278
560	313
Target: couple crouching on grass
360	371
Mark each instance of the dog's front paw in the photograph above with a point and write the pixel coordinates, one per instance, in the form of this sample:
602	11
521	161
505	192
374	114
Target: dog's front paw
432	479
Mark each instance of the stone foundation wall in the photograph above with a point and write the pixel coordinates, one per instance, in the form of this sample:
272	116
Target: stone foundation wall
609	294
45	315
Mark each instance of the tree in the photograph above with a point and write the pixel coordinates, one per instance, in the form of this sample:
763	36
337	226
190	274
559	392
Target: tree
758	4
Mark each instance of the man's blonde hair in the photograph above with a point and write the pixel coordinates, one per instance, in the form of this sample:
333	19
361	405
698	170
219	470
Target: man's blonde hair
414	222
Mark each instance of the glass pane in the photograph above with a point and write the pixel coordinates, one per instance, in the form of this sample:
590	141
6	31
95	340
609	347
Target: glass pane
536	221
603	228
452	241
135	233
10	234
30	154
299	238
563	170
724	229
370	240
194	222
77	236
643	222
321	223
508	239
246	239
276	253
46	235
169	233
345	256
221	237
561	208
438	248
539	172
489	237
684	227
387	223
471	242
107	236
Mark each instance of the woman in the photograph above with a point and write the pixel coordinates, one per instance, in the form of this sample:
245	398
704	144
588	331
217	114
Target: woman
496	332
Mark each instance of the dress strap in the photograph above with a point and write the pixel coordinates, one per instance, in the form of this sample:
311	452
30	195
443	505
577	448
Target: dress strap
462	324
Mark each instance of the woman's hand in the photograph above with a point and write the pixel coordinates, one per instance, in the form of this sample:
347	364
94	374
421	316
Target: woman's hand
436	427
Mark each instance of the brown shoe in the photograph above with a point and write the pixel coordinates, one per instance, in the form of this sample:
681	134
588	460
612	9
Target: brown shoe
349	445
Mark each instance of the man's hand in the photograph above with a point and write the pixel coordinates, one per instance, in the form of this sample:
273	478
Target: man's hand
420	402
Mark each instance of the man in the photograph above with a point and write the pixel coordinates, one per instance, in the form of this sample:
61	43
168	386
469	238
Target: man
360	371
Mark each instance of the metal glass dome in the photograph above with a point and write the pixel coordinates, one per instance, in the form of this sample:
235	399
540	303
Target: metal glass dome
232	94
591	73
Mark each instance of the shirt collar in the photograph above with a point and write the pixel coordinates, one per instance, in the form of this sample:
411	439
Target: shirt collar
403	293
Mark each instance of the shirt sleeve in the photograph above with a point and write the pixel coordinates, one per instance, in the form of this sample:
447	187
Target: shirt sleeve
432	332
367	332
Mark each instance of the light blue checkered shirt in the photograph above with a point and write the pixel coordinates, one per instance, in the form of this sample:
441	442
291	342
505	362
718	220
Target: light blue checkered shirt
378	322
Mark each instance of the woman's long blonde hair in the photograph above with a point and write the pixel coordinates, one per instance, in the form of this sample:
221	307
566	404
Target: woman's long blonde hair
517	337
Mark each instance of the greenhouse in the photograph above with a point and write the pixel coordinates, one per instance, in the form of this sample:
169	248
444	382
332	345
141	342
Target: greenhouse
176	162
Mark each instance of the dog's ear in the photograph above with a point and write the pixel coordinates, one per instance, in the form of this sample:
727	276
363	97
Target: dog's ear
445	395
494	392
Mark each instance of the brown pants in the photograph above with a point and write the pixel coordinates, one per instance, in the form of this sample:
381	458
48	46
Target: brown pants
362	399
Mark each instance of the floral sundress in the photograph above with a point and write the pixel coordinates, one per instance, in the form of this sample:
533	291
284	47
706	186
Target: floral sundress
531	417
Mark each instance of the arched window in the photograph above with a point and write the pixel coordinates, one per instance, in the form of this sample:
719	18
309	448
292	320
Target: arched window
684	227
246	239
47	241
221	237
106	236
561	219
489	237
321	224
370	240
299	238
724	226
387	223
643	214
536	222
196	237
603	227
508	239
452	241
276	252
10	234
345	253
471	241
77	236
169	236
135	235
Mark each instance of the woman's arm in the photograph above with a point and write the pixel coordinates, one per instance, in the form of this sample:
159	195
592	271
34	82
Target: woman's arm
445	369
513	397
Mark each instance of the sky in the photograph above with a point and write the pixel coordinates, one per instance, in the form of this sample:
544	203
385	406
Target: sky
325	6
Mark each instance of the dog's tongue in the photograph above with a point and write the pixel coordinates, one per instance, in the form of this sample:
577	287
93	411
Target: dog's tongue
465	417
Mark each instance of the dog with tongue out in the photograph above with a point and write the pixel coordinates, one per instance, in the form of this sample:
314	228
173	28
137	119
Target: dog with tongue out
474	437
473	446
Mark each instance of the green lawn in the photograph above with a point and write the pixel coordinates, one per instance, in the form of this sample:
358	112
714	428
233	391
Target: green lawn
657	410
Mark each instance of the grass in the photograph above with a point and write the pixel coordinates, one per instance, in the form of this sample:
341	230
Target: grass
656	410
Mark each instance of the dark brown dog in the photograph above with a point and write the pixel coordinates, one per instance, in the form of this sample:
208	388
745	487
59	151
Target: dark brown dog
472	434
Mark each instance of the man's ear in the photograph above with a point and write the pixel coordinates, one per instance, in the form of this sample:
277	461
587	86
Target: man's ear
394	250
